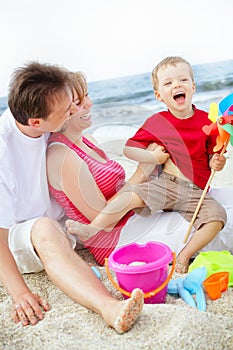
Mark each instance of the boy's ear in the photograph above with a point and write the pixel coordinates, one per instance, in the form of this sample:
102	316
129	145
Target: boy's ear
34	122
158	96
194	87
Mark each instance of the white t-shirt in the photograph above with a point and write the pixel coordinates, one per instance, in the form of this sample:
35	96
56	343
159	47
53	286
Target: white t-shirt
23	183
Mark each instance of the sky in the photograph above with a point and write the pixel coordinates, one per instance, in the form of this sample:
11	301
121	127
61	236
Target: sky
112	38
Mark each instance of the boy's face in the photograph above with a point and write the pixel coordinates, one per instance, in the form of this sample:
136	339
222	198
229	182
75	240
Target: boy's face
176	89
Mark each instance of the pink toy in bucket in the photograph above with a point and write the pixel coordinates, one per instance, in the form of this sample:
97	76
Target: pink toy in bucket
143	266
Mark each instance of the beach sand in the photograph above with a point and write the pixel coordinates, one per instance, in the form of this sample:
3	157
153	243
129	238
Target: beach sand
169	326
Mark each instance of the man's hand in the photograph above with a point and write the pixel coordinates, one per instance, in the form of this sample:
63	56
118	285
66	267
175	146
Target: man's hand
29	309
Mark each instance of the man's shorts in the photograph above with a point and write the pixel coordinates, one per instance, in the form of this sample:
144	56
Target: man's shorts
22	249
169	193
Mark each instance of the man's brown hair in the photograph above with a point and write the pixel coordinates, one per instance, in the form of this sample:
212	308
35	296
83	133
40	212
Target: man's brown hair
34	88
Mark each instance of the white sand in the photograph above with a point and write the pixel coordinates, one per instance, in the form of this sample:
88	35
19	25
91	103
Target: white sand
171	326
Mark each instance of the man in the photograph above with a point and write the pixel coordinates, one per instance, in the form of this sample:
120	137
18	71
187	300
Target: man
40	102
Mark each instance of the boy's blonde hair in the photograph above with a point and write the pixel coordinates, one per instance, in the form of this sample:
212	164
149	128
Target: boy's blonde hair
170	60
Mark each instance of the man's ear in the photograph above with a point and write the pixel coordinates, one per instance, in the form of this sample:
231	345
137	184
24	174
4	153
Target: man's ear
158	96
34	122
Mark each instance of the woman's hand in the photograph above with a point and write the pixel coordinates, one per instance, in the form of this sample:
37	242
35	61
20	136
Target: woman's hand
28	309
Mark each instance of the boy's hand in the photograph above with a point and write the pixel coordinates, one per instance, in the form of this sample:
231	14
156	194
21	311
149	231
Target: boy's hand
217	162
29	309
159	153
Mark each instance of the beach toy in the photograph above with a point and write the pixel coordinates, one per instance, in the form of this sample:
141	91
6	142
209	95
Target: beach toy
216	283
226	103
176	287
191	284
224	135
143	266
215	262
96	272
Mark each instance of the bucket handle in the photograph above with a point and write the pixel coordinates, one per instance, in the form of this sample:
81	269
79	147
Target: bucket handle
147	294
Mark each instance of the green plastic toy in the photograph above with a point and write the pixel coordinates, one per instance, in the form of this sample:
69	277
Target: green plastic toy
215	262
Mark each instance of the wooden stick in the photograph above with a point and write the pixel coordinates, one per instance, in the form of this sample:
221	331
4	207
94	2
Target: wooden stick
203	195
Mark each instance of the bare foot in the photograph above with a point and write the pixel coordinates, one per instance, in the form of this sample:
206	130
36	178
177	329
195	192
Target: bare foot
83	231
182	265
130	312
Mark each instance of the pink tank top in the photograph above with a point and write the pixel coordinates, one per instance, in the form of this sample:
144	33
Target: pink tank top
110	177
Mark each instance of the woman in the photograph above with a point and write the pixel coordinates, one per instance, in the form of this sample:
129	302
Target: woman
82	179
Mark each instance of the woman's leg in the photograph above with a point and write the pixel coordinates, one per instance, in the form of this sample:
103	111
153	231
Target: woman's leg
77	280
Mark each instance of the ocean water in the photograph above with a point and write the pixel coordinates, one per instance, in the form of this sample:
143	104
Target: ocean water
129	100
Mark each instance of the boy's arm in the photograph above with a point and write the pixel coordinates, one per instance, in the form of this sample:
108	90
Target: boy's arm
157	156
144	170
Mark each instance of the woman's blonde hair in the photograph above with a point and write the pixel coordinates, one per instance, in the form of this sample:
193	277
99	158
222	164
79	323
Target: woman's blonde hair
78	84
170	60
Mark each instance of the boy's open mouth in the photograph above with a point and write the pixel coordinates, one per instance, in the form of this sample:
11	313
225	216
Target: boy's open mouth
179	97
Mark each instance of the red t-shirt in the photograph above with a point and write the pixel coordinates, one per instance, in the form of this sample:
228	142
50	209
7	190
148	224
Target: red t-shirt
184	139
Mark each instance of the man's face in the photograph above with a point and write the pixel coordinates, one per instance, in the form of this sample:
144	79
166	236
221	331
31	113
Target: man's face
62	110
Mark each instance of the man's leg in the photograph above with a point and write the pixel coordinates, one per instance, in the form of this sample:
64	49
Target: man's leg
77	280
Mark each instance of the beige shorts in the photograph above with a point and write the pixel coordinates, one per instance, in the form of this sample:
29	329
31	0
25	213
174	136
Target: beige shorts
169	193
22	249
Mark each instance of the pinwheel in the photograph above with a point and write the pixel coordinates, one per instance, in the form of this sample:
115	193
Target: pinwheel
221	117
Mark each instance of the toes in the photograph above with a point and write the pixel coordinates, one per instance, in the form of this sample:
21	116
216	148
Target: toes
130	312
69	223
182	266
72	226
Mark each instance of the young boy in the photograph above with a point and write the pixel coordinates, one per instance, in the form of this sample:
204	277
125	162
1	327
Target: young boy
178	130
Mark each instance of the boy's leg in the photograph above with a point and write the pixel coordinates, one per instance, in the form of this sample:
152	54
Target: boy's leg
210	220
108	218
117	207
198	241
142	173
77	280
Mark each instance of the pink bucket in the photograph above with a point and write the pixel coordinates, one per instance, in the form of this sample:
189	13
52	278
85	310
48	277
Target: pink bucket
143	266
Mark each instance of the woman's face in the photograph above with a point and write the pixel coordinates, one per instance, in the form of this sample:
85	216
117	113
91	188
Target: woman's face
81	119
